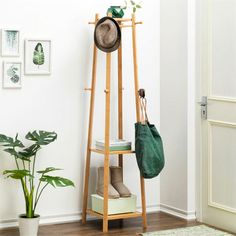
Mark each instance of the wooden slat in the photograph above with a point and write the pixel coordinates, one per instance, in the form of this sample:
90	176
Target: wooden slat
116	216
112	152
124	216
122	19
93	213
126	26
117	19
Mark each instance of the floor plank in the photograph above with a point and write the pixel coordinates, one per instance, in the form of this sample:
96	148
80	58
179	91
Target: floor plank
156	221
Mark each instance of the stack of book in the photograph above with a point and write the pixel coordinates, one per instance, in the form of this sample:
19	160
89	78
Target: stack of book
115	145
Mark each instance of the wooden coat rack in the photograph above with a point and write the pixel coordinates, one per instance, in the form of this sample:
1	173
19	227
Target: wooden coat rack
123	24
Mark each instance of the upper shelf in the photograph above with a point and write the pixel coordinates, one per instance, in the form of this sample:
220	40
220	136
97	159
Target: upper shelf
112	152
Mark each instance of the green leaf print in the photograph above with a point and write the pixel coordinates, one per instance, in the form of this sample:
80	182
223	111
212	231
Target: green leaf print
38	57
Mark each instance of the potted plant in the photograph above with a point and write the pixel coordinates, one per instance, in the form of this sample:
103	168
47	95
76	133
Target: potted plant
118	11
25	172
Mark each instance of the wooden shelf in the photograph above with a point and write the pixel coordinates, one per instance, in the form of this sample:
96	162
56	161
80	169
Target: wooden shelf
125	216
94	213
112	152
116	216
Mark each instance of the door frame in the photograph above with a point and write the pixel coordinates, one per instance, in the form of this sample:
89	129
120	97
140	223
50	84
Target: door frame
192	110
198	62
196	57
202	64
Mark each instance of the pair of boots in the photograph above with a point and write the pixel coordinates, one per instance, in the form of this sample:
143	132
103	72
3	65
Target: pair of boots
116	188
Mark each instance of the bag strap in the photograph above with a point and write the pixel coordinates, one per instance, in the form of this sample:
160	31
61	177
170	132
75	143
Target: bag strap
143	106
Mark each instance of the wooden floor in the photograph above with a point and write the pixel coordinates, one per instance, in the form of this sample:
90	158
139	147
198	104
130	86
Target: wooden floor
156	221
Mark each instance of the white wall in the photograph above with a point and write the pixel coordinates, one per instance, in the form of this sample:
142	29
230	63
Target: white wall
174	102
178	106
58	102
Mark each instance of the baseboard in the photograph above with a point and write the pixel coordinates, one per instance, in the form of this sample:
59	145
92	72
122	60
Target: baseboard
64	218
44	220
8	223
74	217
151	208
178	212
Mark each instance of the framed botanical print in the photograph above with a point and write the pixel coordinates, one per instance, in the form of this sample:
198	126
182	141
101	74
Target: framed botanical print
38	57
12	76
10	45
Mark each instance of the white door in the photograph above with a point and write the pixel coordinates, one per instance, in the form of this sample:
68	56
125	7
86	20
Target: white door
217	20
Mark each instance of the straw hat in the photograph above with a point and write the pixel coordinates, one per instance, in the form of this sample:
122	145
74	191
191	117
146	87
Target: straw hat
107	34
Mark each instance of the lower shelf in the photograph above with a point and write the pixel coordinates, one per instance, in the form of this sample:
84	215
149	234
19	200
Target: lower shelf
117	216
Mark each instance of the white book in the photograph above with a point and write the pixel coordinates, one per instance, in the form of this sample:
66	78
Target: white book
114	143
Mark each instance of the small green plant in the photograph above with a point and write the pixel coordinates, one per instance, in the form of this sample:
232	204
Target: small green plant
25	160
132	4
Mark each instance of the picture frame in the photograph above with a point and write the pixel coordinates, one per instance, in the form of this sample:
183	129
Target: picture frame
37	56
12	74
10	43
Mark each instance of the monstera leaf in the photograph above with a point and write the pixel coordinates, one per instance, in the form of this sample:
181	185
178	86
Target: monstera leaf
47	170
16	154
38	57
17	174
41	137
10	142
56	181
29	151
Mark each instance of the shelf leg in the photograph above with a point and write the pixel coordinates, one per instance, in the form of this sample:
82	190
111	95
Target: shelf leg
120	101
144	213
89	142
107	143
105	195
136	86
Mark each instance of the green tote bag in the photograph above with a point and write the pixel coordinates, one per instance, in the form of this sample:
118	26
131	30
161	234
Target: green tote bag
148	145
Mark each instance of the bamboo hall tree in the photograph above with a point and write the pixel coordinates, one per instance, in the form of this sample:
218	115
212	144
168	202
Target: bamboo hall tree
123	23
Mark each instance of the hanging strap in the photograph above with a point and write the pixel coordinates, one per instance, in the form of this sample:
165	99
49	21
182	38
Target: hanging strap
143	106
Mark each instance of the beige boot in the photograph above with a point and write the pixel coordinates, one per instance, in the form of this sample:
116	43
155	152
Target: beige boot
117	181
112	193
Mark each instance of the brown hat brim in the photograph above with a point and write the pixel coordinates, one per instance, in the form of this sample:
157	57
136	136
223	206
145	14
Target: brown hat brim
118	40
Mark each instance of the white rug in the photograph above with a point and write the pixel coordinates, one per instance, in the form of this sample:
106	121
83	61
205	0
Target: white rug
200	230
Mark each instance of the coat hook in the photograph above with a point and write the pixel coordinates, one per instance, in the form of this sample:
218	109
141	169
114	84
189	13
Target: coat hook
141	93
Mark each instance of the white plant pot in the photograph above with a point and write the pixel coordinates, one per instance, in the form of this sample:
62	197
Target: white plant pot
28	226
